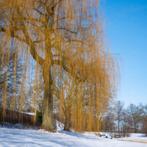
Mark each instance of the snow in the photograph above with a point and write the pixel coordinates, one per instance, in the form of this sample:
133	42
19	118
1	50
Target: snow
12	137
29	113
59	126
136	137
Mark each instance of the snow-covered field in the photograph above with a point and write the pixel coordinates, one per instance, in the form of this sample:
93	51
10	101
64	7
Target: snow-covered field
136	138
12	137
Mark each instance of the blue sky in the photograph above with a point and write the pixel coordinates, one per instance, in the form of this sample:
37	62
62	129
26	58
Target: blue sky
125	32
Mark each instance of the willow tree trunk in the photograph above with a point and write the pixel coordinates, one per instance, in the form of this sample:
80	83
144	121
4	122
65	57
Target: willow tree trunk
48	122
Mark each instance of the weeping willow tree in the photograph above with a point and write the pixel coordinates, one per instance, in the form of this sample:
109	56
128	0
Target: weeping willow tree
83	103
62	35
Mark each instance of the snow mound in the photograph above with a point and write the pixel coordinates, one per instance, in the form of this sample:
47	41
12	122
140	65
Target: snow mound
59	126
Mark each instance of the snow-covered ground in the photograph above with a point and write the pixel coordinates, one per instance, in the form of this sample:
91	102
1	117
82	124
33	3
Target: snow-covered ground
136	138
12	137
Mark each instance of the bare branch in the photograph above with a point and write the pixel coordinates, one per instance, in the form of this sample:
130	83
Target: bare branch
69	69
33	51
28	41
67	30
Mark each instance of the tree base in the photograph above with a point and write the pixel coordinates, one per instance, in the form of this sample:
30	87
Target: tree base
49	124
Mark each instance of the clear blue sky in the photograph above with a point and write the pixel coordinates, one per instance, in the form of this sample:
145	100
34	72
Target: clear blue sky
125	29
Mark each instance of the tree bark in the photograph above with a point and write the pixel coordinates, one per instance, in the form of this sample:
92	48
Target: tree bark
48	122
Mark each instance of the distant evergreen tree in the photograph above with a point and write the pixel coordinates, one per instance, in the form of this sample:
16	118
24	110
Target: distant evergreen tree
11	73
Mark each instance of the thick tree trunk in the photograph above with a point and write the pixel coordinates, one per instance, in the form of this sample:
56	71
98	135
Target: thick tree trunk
48	122
67	121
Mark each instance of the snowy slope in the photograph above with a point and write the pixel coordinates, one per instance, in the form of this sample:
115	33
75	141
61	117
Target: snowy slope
39	138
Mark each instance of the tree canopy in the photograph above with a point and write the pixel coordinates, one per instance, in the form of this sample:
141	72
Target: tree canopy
64	38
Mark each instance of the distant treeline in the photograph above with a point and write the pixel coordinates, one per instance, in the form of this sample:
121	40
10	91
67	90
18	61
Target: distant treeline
132	119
